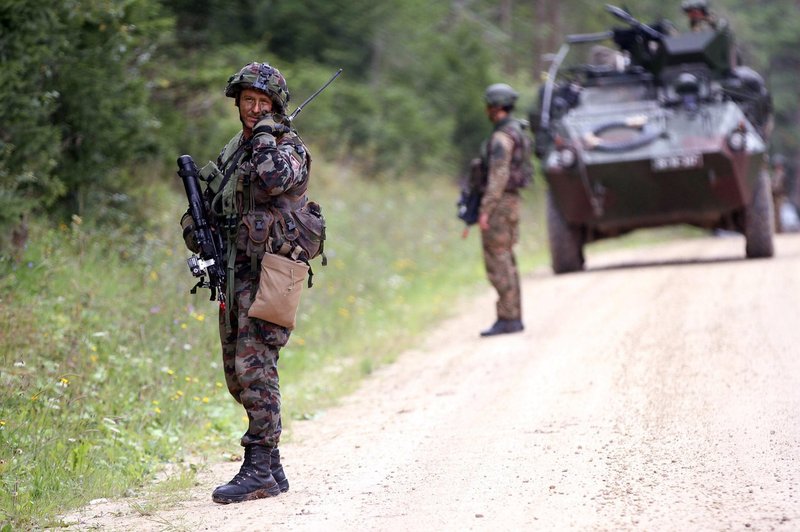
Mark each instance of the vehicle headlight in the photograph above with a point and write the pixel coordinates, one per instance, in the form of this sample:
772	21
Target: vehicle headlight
566	158
737	140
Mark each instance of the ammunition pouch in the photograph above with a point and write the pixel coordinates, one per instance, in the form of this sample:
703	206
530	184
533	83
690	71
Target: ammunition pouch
253	238
299	234
211	175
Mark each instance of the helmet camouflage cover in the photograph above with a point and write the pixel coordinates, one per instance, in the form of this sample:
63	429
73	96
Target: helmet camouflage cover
702	5
500	95
263	77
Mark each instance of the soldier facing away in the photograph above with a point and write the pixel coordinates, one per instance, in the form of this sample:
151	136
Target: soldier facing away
261	185
505	159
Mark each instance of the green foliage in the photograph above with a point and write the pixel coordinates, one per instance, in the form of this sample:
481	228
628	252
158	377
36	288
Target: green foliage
332	33
90	401
769	41
75	105
103	111
29	145
411	90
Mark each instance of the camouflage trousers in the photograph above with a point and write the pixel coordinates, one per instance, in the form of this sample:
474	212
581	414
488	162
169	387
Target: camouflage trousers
250	361
498	256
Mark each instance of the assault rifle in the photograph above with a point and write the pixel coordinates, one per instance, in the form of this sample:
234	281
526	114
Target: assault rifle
211	261
469	203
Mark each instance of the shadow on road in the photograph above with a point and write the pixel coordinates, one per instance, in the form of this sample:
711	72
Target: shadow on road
670	262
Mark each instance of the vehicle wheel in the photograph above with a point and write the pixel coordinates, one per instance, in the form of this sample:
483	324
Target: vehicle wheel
566	243
759	221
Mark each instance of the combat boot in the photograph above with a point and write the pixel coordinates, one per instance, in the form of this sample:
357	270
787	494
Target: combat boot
253	481
504	327
277	470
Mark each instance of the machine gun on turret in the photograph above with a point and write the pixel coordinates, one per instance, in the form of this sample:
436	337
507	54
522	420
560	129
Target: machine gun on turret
641	41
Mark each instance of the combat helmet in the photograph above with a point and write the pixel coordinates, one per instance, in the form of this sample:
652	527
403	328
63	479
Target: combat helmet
500	95
702	5
263	77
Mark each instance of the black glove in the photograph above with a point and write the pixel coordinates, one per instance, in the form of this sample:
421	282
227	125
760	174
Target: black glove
270	124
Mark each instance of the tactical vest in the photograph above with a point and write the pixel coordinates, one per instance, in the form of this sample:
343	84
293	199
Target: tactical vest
255	222
521	168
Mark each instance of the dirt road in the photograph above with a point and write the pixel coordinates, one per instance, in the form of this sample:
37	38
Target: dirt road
660	390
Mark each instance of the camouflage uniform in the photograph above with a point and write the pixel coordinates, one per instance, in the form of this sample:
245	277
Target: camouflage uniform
259	188
501	203
277	171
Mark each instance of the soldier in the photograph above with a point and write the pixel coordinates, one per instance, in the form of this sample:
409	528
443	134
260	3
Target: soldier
264	172
507	165
700	18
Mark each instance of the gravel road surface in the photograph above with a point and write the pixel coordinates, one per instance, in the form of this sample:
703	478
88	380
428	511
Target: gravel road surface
659	390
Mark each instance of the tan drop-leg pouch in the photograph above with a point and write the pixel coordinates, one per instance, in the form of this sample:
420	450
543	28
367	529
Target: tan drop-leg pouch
279	288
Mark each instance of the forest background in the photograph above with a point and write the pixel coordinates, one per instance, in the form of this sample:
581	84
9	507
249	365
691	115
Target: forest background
94	92
106	368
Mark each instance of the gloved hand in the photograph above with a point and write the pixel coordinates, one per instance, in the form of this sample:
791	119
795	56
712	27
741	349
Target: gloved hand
188	233
270	124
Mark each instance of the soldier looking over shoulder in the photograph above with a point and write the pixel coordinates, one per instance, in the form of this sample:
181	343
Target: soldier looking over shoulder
506	160
258	196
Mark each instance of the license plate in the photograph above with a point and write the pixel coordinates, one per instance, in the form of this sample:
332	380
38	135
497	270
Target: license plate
677	162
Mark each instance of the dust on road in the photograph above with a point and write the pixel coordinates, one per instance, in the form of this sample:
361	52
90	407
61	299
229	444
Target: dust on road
657	391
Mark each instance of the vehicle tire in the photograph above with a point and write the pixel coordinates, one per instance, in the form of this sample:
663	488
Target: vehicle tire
760	221
566	242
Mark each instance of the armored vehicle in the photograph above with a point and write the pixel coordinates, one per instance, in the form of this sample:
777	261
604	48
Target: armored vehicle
661	129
